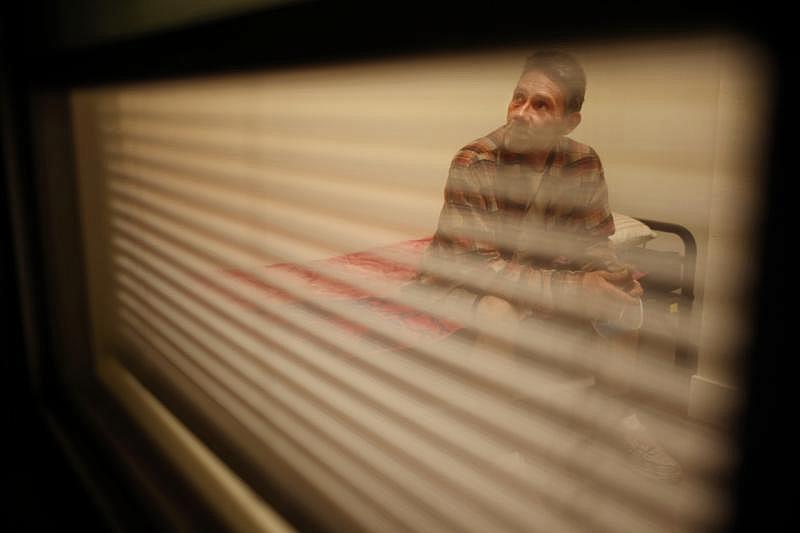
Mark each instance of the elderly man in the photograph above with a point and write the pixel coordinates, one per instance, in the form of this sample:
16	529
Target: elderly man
527	205
523	234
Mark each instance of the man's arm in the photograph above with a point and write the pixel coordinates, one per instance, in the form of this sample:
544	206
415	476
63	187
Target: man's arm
465	251
599	283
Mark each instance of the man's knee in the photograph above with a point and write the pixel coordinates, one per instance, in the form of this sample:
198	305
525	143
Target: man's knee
494	308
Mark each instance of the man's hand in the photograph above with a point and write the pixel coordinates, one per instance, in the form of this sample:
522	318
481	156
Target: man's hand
635	289
604	295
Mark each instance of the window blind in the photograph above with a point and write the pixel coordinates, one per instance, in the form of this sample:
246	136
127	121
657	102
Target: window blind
254	237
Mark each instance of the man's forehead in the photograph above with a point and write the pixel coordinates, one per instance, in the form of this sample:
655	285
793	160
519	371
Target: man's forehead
536	81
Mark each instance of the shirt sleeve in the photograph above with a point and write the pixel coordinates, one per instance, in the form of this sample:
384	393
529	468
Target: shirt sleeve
464	251
597	219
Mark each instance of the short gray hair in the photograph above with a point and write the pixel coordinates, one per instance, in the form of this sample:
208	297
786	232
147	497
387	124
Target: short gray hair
563	69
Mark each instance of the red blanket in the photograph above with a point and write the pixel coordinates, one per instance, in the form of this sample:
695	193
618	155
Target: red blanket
408	325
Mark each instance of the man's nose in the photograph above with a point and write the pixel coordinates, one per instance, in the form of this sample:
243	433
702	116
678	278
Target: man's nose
522	112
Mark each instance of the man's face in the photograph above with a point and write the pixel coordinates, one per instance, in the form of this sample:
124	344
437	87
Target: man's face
536	116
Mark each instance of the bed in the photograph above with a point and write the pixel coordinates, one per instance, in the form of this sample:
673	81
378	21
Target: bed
320	288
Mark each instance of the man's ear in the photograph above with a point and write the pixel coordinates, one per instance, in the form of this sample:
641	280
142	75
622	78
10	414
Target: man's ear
571	122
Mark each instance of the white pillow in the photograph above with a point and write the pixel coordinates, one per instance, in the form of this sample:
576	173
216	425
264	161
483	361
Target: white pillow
630	232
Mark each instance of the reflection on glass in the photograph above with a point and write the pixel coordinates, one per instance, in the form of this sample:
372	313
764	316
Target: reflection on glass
552	347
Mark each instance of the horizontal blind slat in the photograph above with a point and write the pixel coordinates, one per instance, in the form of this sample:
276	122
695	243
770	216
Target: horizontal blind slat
379	459
701	449
283	429
446	429
655	379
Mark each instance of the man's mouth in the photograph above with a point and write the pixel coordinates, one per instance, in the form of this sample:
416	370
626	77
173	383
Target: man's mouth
517	128
523	133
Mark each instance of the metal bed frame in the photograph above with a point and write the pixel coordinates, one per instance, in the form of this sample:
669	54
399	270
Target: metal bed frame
671	278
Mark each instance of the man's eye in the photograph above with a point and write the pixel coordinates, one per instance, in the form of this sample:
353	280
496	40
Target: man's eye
540	105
